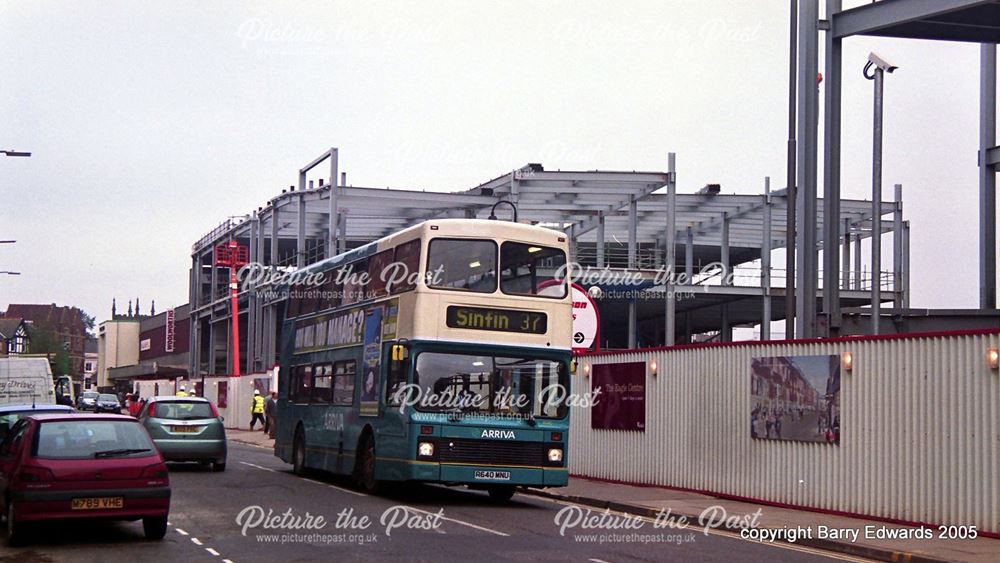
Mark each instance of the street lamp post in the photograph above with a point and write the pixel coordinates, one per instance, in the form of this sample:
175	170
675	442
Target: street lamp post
11	273
881	67
15	153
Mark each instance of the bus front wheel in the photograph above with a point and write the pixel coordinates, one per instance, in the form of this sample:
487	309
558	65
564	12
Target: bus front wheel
364	474
501	492
299	452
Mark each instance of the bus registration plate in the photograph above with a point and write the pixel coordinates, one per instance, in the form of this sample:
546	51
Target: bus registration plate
493	475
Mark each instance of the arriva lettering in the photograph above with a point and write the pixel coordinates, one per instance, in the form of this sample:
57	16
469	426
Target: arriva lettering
499	434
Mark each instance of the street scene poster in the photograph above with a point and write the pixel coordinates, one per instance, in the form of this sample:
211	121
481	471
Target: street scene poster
621	404
795	398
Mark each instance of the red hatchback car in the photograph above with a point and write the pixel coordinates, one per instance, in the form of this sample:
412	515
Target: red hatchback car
82	466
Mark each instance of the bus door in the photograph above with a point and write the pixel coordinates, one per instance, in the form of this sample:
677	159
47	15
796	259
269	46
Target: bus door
394	420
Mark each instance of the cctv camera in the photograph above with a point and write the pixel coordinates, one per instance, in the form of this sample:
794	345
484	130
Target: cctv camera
881	63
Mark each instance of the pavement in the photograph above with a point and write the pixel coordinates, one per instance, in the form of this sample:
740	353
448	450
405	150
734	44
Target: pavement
729	515
700	509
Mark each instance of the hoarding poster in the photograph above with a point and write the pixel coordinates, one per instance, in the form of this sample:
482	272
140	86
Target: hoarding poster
795	398
621	404
371	362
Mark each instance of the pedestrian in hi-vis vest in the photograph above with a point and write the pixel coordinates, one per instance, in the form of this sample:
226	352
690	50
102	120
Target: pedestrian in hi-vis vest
256	409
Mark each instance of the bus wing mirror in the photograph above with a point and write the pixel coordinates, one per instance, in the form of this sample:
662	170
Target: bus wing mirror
399	352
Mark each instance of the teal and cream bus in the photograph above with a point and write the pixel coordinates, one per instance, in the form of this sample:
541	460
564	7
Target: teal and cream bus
438	354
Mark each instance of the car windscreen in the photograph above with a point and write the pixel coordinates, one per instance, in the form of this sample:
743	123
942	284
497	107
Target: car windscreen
183	410
109	398
88	439
90	395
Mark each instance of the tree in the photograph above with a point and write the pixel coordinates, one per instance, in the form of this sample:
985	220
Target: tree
45	341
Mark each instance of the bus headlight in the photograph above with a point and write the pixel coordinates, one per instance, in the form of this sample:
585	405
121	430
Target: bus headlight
425	449
555	455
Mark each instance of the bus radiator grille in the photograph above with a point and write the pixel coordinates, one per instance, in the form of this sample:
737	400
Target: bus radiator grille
491	452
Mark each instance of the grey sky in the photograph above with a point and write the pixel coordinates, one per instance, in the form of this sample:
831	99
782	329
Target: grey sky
150	122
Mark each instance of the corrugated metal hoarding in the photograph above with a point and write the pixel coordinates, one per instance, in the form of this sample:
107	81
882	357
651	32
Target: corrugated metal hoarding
918	417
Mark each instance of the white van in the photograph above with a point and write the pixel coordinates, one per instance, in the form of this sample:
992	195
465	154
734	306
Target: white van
25	381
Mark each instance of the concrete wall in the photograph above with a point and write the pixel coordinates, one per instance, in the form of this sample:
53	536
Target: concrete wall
920	439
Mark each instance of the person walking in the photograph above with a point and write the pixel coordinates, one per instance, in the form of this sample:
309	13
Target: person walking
183	392
270	414
256	409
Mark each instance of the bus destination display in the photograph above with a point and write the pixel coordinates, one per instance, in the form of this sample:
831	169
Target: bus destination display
479	318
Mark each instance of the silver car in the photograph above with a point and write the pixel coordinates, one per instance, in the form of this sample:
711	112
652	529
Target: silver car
186	429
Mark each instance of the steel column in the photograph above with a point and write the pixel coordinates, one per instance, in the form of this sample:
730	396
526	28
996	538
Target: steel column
600	240
669	337
724	249
831	176
791	178
251	333
332	243
689	255
805	245
765	263
632	323
633	222
987	177
857	262
876	293
906	264
300	240
845	264
897	247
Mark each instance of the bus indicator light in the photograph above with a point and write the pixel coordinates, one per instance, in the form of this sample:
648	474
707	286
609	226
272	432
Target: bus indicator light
557	436
426	430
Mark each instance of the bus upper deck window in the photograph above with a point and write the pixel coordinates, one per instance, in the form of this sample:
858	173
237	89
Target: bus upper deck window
462	264
528	269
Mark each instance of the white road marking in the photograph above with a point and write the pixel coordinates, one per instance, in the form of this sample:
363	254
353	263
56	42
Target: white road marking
196	541
212	551
462	522
595	560
355	493
226	561
259	467
181	532
734	535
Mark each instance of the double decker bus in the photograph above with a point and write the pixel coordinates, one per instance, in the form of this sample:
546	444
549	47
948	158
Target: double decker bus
437	354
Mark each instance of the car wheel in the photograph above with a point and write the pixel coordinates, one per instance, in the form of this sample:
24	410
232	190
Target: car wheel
501	492
299	452
219	467
365	470
15	530
155	528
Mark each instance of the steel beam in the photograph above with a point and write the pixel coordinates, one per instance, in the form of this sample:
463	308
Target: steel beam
806	250
878	18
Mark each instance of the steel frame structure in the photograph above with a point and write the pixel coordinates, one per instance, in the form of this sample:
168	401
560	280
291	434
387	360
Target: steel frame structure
945	20
616	219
